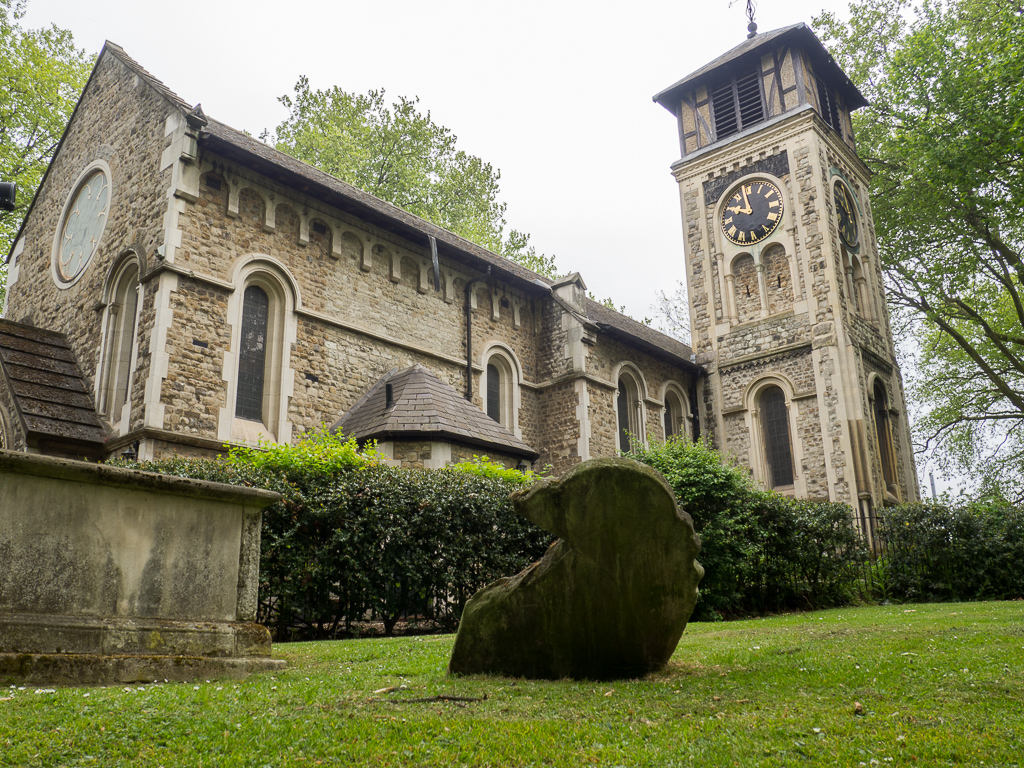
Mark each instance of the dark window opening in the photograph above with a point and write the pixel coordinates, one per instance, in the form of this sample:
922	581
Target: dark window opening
674	422
623	406
121	343
775	425
737	105
828	105
883	431
252	354
320	229
212	182
493	392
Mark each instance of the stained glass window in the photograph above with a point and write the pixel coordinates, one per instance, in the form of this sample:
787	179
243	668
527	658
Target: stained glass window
252	354
493	392
624	408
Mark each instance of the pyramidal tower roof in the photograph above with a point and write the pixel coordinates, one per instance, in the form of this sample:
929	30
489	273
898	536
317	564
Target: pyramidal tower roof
423	407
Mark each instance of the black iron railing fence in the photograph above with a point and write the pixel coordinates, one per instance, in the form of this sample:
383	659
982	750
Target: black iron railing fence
936	552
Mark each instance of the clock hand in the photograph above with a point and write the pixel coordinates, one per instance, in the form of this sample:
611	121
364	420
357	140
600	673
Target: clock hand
748	209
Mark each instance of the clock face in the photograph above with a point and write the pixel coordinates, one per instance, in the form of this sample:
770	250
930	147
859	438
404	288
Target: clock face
753	210
84	221
846	212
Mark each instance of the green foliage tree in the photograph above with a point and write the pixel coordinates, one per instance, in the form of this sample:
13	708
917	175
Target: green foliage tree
41	76
399	154
944	138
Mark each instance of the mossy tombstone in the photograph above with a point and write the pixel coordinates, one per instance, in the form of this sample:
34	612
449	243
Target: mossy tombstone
609	599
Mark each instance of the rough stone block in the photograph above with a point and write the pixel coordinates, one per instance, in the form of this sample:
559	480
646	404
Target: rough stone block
609	599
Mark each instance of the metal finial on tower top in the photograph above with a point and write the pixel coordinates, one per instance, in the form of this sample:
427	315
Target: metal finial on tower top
752	26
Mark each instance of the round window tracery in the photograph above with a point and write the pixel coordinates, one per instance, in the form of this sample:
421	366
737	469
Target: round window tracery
81	228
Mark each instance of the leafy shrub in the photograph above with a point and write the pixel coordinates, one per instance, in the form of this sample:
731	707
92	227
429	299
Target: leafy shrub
761	552
318	451
355	539
484	466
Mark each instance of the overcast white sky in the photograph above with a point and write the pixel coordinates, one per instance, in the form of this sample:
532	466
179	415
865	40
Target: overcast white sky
555	94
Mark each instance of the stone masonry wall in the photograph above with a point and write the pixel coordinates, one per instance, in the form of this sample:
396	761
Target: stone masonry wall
602	362
465	453
373	282
120	120
559	434
194	390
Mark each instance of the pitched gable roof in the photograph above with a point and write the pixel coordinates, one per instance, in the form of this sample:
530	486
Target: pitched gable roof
800	34
424	407
48	391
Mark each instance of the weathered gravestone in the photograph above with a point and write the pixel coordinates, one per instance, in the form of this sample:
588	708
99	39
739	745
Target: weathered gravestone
609	599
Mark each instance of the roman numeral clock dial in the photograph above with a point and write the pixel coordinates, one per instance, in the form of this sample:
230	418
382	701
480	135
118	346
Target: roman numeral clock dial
846	214
753	210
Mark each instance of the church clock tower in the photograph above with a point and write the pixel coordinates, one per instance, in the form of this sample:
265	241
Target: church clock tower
787	308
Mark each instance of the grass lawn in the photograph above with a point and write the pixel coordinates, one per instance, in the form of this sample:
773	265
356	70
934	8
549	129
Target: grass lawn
937	685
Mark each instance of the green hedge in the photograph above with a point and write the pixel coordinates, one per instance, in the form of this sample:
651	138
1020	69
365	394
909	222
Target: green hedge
764	553
761	552
354	539
968	551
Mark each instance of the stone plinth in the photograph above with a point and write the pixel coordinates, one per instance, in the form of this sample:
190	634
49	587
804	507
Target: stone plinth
115	575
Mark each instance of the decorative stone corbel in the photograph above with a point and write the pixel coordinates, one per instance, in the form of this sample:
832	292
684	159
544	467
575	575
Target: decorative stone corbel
423	284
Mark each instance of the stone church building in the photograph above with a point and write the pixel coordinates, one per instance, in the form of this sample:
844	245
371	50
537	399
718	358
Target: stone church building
178	285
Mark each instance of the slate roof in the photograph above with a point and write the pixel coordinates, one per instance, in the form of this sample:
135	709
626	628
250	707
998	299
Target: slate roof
48	390
641	336
425	408
824	65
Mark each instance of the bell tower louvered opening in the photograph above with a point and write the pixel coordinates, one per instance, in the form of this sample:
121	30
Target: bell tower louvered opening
737	105
828	105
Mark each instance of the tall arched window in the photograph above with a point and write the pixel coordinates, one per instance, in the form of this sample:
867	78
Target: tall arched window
258	371
119	341
252	354
883	433
628	411
675	414
500	387
778	448
493	392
